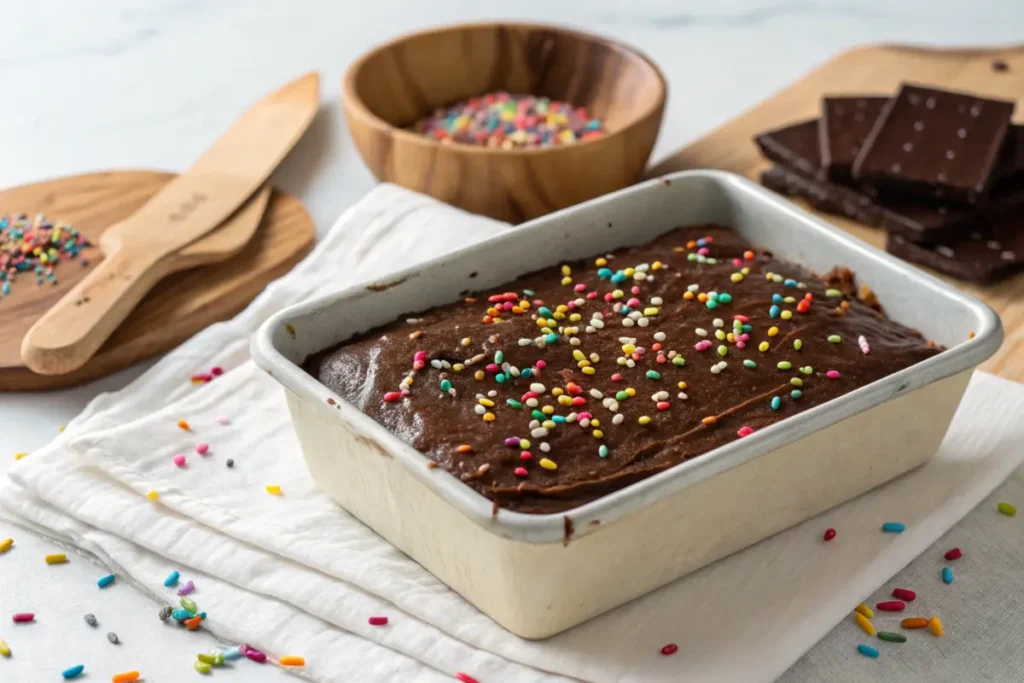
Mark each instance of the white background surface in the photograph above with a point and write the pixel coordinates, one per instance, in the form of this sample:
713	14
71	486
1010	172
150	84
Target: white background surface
125	84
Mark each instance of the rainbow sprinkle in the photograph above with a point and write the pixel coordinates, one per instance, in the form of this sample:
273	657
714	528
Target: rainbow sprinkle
35	247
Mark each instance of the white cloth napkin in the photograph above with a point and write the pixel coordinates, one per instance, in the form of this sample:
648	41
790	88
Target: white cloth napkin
296	574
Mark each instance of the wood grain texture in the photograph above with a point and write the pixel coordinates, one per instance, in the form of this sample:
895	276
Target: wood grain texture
878	69
406	79
179	306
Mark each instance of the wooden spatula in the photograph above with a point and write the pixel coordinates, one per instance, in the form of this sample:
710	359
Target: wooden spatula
138	251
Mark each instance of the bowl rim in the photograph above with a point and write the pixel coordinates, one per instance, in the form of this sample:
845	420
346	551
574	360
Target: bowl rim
354	105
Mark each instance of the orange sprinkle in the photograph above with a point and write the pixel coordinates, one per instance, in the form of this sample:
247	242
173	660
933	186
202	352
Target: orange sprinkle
469	300
688	296
710	420
193	623
184	425
971	335
749	255
292	660
464	448
126	677
492	311
935	626
691	244
914	622
488	320
702	297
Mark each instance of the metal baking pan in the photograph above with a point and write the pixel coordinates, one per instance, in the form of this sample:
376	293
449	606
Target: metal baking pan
611	550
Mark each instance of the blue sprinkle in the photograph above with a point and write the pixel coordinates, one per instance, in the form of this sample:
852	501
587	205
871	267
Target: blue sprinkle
773	312
172	579
603	451
232	653
445	385
894	527
748	327
544	312
500	378
776	298
702	241
181	614
105	581
947	575
526	373
604	273
795	394
619	277
625	310
790	282
725	298
551	338
867	651
776	402
558	419
73	672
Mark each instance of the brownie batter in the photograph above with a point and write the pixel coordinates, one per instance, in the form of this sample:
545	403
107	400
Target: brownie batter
647	357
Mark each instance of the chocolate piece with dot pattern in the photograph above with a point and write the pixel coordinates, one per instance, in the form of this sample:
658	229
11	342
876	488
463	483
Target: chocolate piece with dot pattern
844	126
794	147
935	144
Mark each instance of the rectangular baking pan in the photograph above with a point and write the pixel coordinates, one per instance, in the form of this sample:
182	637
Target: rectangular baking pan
537	575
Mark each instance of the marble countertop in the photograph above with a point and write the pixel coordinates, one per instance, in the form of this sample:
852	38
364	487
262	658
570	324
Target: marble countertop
116	84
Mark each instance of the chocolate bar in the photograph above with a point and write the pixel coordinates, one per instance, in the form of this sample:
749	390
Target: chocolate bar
795	147
823	195
935	144
1010	169
977	258
844	126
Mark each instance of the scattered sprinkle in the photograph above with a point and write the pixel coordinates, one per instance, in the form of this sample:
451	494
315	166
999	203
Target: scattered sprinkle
230	463
1007	509
19	455
73	671
105	581
867	651
165	612
378	621
183	425
892	637
23	617
864	624
935	627
953	554
35	247
223	420
172	579
179	460
947	575
670	649
202	448
273	489
891	606
6	544
865	610
152	495
5	650
291	660
201	667
125	677
187	588
830	533
894	527
91	620
112	637
56	558
904	594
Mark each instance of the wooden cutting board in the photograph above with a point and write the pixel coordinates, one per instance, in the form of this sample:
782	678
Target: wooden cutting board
878	69
177	308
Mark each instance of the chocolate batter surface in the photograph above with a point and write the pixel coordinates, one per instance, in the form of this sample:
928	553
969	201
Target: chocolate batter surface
575	381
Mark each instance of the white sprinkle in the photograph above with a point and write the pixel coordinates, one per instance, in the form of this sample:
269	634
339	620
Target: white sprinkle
479	410
570	418
492	393
656	301
617	420
693	288
659	396
575	341
717	322
532	402
413	321
525	342
546	447
539	433
596	393
514	372
639	276
635	315
435	364
643	267
598	323
627	322
659	336
630	363
590	329
643	322
538	387
585	422
682	395
701	332
598	316
534	424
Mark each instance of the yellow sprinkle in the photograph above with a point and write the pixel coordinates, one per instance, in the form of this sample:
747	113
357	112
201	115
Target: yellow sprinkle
578	355
865	610
56	558
786	315
628	348
548	464
524	444
567	280
601	262
935	626
681	385
6	544
866	625
60	429
489	417
4	649
152	495
561	308
552	323
273	489
772	331
656	265
736	277
598	433
590	370
19	455
583	364
566	270
575	317
594	422
558	315
486	402
644	420
762	347
466	341
630	391
547	410
548	424
628	272
618	294
458	367
541	322
745	271
478	375
565	400
651	310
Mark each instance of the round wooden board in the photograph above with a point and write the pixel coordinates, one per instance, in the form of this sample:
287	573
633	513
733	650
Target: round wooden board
177	308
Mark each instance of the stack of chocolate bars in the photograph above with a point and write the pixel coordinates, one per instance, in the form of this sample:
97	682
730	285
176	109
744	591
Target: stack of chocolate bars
942	172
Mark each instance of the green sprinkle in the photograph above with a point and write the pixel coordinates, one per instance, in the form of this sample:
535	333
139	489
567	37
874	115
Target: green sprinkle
201	667
551	338
206	659
498	357
711	261
797	344
776	402
723	350
789	300
515	404
833	292
711	303
807	369
835	338
603	451
796	382
621	396
691	256
500	378
445	385
725	298
796	393
749	364
537	415
544	312
784	365
679	361
651	374
528	292
892	637
1007	509
190	605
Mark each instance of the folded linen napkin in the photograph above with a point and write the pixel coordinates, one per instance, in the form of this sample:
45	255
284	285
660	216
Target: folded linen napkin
297	570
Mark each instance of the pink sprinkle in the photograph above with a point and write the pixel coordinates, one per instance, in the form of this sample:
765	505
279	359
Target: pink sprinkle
636	289
741	345
741	318
832	374
584	416
640	351
420	355
492	367
378	621
579	401
661	358
519	472
580	287
187	588
571	305
592	295
663	405
609	298
703	251
223	420
744	337
418	365
216	371
255	655
526	455
541	365
670	649
528	395
703	345
465	678
179	460
202	377
202	448
744	431
404	392
633	303
391	396
617	377
23	617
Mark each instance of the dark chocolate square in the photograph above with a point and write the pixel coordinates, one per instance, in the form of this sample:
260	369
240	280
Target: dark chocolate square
845	124
979	257
795	147
1010	169
824	196
936	144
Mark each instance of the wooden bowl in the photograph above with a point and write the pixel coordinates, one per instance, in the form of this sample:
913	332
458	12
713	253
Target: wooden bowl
390	88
